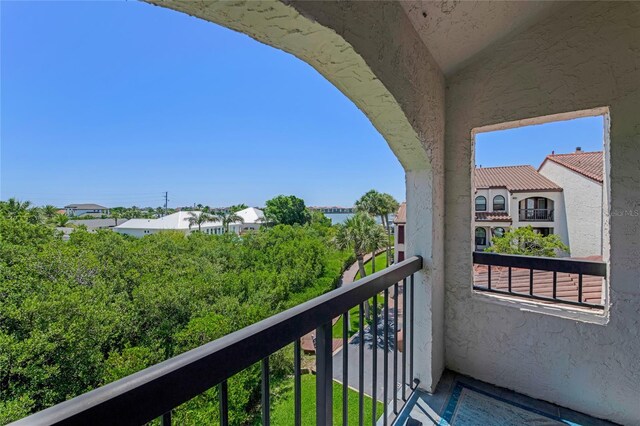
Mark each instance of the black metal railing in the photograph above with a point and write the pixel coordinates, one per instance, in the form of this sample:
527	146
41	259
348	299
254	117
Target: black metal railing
540	215
154	392
514	275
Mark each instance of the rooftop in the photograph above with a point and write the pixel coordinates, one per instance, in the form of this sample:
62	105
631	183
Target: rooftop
401	216
589	164
180	220
493	216
513	178
88	206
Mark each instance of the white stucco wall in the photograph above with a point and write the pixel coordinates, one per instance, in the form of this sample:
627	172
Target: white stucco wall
583	207
138	233
586	55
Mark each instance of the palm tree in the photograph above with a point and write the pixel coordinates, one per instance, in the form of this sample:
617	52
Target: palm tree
15	207
227	218
49	211
361	234
116	215
381	205
61	220
198	218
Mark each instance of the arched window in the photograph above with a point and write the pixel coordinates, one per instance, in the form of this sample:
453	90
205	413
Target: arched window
481	204
498	232
498	203
481	237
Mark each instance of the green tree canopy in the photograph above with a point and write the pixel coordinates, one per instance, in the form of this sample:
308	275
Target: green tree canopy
526	241
286	210
80	313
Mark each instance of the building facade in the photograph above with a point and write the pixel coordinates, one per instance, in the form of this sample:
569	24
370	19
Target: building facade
515	196
399	229
96	210
581	177
252	219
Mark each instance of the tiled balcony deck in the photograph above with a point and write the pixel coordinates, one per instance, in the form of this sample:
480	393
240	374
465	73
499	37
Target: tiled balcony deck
463	401
543	282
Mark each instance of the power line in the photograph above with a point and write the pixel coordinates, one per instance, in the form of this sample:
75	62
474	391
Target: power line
166	201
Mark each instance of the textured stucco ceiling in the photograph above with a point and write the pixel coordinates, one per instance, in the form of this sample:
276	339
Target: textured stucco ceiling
454	30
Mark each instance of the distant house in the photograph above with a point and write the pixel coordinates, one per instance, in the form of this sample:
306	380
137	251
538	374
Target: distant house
96	210
580	174
515	196
252	219
399	224
93	224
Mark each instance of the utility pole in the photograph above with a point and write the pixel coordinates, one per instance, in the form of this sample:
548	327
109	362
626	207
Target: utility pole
166	201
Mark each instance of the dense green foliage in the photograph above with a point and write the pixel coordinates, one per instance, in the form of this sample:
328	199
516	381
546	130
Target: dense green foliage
286	210
81	313
526	241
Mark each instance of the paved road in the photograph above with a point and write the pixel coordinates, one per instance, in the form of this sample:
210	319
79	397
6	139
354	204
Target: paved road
353	364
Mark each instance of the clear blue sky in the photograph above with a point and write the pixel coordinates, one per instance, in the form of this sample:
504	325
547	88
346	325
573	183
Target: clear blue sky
115	103
531	144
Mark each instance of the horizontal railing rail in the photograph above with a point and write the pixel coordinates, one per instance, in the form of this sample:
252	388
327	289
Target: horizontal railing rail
155	391
577	267
533	215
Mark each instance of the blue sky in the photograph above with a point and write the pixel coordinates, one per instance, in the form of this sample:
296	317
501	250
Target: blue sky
115	103
531	144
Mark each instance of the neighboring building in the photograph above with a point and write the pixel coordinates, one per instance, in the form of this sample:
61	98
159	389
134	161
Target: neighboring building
179	221
96	210
515	196
252	219
400	223
93	224
580	174
333	209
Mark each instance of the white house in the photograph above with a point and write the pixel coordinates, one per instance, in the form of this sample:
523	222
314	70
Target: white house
96	210
516	196
580	174
252	219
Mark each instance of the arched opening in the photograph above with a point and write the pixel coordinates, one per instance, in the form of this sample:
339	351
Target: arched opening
481	203
536	209
481	238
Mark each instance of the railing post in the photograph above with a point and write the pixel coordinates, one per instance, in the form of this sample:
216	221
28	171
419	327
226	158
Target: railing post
324	375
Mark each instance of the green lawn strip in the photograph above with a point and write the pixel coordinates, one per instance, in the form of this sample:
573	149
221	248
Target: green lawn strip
381	263
282	410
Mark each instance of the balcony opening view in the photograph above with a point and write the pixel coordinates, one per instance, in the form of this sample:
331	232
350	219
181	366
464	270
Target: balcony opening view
167	182
338	212
540	211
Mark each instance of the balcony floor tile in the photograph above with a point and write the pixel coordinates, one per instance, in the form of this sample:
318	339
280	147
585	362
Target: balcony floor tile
461	401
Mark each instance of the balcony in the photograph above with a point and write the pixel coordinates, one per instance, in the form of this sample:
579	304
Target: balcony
536	215
561	281
154	392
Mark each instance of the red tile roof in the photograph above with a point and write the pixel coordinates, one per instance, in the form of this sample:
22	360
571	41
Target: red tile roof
567	284
493	216
514	178
589	164
401	216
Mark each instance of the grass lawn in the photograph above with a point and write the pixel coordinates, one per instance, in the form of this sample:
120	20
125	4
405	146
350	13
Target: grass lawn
282	411
381	263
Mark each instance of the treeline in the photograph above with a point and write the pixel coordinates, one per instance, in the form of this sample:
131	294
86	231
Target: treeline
78	314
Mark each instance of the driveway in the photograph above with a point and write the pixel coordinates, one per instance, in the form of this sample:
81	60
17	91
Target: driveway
353	362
